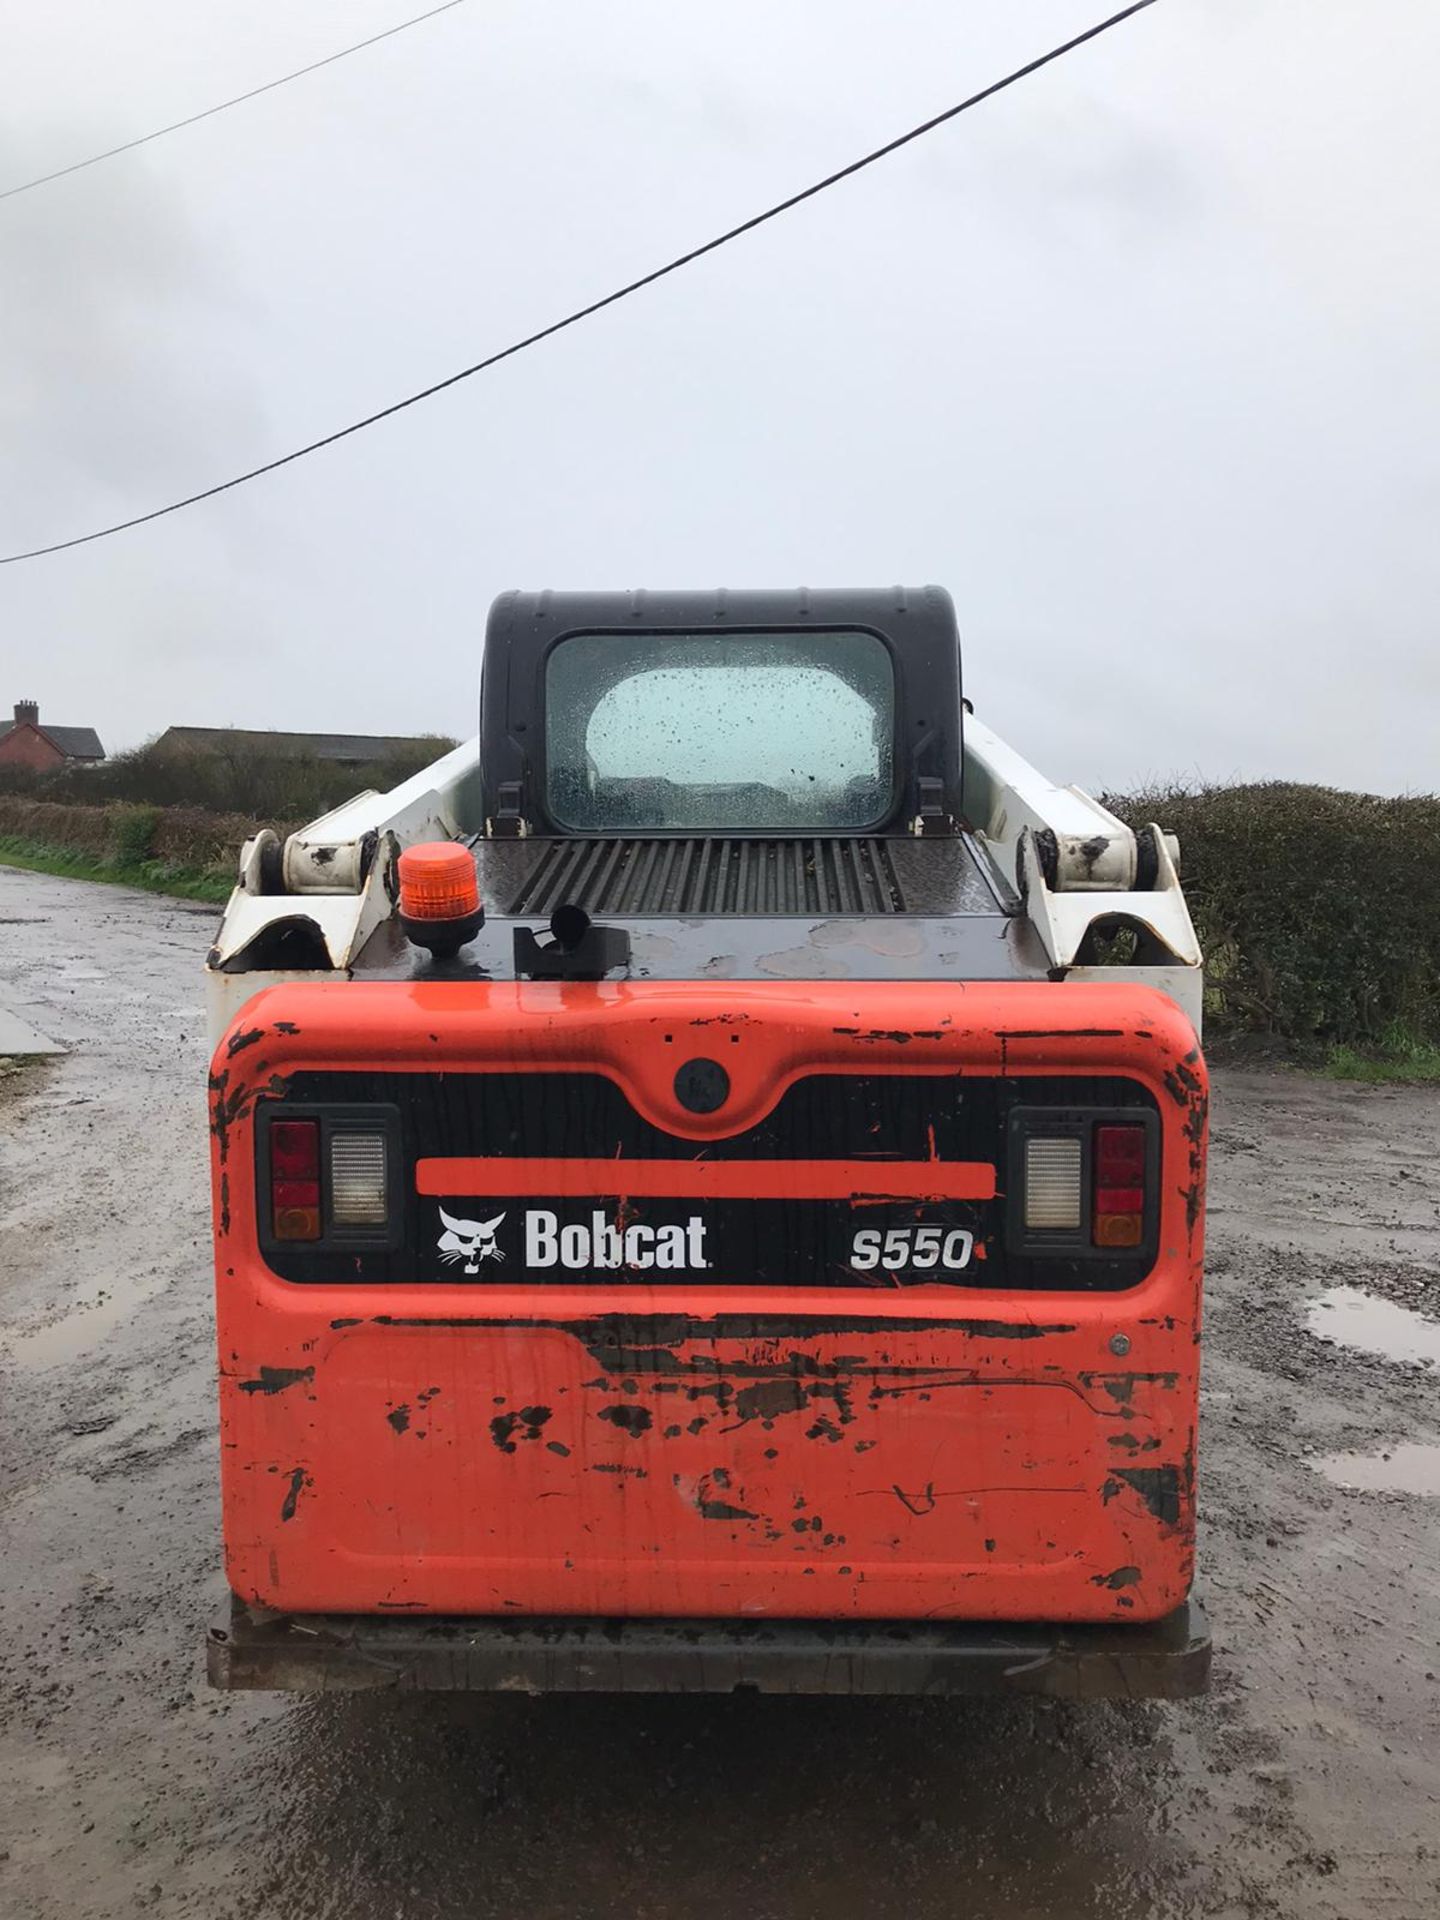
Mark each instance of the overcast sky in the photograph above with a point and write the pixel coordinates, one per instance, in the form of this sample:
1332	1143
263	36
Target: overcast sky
1138	359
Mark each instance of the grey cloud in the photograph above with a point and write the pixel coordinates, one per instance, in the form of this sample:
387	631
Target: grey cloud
1137	359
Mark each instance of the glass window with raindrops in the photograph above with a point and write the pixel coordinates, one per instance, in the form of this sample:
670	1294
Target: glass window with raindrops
720	732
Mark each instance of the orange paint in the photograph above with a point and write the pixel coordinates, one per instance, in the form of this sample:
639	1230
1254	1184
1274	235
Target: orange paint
858	1180
621	1447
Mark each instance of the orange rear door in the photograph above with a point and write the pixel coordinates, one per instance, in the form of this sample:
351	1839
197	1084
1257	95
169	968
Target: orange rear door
711	1300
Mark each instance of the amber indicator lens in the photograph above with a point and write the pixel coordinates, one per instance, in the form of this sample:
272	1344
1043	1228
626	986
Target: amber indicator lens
438	882
1118	1201
295	1179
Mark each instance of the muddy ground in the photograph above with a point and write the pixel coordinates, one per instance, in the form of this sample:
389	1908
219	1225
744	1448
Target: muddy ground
1307	1784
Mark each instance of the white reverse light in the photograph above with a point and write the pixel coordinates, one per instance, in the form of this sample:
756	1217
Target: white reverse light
1052	1183
358	1195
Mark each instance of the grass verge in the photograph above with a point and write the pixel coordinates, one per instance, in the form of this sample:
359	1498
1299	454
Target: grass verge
1400	1056
152	876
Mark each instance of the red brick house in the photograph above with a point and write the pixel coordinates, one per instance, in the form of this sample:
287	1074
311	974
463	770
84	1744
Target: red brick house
25	743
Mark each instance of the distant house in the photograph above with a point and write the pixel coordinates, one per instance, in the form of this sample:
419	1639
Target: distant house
25	743
336	749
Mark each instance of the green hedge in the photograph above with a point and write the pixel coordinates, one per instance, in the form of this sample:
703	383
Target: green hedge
182	850
154	876
239	773
1318	911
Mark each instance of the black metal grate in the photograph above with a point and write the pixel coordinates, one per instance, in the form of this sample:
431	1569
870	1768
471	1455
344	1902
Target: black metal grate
673	878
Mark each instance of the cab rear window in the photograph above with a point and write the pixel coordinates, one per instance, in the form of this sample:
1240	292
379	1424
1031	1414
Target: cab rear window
720	732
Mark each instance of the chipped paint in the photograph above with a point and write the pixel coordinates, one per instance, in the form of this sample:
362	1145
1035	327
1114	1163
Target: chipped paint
277	1379
529	1423
1121	1577
1161	1489
634	1429
630	1420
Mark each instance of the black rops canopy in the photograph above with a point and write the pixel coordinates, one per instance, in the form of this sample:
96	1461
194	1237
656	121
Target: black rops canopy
917	625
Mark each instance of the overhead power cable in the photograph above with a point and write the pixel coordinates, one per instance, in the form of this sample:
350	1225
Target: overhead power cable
595	306
221	106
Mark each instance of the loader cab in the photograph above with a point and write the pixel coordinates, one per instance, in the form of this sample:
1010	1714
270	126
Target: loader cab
770	714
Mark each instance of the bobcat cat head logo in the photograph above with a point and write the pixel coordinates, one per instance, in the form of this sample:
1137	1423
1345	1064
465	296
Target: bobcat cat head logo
469	1240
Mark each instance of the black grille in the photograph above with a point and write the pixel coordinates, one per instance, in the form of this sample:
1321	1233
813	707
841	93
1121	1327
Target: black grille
522	1116
678	877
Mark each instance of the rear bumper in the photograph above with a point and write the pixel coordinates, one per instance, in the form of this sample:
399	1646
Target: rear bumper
1167	1659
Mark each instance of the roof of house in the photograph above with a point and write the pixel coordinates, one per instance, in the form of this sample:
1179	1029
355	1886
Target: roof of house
76	743
356	747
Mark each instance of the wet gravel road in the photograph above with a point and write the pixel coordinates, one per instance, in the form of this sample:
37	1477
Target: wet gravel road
1307	1784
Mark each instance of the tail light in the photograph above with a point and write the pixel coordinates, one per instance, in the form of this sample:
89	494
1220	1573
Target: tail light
295	1180
358	1170
1083	1184
329	1176
1117	1210
1054	1187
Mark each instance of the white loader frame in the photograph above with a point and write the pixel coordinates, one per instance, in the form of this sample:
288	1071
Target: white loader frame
1079	872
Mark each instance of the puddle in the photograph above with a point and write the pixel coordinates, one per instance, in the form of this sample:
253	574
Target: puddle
57	1342
1406	1468
19	1039
1361	1320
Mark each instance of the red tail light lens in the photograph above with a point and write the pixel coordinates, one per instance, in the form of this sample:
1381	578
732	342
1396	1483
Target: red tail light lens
1117	1212
295	1150
295	1179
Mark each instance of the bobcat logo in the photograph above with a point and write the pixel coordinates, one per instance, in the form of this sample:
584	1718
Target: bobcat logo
469	1240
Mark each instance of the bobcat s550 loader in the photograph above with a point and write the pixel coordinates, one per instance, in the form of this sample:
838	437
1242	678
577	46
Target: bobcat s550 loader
708	1188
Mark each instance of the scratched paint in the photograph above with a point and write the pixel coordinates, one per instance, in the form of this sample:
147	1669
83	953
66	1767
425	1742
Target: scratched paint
599	1448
